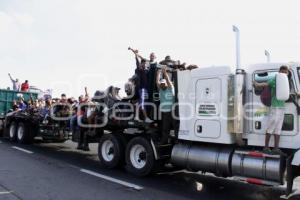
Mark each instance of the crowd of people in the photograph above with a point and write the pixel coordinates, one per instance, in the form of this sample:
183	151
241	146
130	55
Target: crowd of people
150	78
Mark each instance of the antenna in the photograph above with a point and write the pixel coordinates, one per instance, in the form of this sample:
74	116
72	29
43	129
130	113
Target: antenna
237	46
267	54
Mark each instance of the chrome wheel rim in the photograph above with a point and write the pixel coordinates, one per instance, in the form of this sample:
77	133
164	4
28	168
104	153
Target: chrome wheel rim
107	150
138	156
20	132
12	130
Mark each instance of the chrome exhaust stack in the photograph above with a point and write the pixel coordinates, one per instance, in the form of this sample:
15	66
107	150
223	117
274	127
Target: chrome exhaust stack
236	104
268	56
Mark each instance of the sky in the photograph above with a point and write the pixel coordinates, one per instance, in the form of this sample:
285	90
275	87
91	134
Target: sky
66	45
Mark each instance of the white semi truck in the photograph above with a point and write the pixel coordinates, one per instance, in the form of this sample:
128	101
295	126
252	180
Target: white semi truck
222	127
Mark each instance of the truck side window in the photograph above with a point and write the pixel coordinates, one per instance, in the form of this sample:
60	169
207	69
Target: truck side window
263	77
288	123
292	85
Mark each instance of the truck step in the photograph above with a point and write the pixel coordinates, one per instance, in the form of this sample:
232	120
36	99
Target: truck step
163	145
256	181
162	157
258	154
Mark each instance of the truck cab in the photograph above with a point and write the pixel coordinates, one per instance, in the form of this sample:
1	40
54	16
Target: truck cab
257	113
207	102
223	124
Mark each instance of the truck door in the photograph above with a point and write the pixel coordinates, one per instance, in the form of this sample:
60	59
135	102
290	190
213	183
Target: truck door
208	100
260	112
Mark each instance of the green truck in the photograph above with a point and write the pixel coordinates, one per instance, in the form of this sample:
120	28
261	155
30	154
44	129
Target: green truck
6	100
8	96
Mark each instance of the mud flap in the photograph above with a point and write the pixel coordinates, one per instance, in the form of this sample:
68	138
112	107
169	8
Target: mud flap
293	171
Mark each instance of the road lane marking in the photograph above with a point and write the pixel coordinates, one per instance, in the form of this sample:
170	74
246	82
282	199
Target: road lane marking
5	192
170	173
114	180
21	149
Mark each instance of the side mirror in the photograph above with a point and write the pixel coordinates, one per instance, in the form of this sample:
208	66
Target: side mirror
282	87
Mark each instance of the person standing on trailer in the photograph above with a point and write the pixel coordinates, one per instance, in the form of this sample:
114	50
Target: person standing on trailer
276	115
152	65
25	86
16	83
167	100
142	72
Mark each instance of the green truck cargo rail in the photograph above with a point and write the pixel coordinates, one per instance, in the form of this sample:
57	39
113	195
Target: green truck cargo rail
8	96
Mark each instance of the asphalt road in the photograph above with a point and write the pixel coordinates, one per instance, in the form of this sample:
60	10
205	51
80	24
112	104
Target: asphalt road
59	172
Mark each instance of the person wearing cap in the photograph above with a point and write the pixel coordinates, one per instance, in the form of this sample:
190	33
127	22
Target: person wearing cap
167	100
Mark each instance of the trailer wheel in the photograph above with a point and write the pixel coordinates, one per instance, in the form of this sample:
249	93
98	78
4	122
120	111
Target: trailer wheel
140	159
12	131
111	151
23	134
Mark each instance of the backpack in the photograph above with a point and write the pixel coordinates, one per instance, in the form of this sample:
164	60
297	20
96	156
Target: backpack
266	96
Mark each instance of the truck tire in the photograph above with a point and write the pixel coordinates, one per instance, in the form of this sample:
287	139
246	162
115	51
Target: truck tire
111	151
139	155
12	131
23	134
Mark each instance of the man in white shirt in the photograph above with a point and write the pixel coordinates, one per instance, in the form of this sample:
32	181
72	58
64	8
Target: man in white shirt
16	83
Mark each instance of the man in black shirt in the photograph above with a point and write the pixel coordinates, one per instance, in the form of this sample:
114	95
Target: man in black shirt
142	73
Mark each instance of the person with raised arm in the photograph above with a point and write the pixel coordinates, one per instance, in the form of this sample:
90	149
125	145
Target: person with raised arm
15	82
166	107
142	72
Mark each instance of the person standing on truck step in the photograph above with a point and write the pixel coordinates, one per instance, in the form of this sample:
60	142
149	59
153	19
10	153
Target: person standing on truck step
276	115
167	100
25	86
15	82
142	73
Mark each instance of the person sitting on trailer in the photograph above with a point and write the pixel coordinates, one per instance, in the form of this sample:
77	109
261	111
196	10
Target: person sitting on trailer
168	62
276	114
46	109
62	108
131	90
22	105
167	100
15	106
